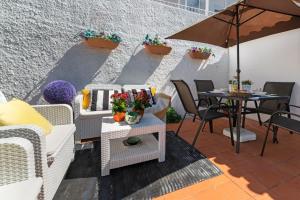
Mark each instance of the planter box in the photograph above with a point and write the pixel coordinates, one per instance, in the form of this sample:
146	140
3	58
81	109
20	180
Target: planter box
158	49
101	43
199	55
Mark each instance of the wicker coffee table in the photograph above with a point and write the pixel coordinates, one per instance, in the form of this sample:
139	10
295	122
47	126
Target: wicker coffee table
115	154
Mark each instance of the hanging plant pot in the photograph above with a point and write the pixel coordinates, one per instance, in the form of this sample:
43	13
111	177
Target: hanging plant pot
101	43
158	49
199	55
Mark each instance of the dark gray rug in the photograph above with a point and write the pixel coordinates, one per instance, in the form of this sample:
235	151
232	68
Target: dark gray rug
183	167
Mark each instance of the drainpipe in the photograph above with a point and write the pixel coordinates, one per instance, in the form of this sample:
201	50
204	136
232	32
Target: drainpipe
206	7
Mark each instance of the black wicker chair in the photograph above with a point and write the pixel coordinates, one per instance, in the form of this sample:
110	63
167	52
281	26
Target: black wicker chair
277	120
191	108
271	106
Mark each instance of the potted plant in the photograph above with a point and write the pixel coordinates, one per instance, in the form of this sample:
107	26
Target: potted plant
119	106
246	85
156	45
140	102
202	53
100	40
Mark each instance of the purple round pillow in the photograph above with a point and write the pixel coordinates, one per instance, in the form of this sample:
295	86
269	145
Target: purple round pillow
59	92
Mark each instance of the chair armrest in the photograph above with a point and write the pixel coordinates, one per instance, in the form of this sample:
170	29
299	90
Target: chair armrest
294	106
28	189
57	114
37	139
82	113
17	160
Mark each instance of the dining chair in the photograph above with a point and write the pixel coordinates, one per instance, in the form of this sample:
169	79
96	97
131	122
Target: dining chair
271	106
278	120
205	86
190	107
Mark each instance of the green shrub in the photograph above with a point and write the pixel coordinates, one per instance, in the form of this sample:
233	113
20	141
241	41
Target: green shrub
173	116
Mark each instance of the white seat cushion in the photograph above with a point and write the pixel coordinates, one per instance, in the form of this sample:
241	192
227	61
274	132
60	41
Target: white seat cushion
58	136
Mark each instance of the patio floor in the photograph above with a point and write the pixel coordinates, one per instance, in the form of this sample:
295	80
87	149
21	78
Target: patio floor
246	175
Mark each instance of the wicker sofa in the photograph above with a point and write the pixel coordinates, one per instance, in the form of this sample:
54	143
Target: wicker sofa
88	123
51	154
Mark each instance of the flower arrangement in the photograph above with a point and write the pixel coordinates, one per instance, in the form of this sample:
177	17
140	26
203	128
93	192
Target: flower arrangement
247	82
154	41
89	34
59	92
203	50
119	102
141	101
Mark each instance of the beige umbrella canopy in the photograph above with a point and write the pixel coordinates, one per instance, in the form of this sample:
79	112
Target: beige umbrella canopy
244	21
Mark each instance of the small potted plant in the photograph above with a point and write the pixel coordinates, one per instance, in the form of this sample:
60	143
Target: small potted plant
100	40
156	45
119	106
141	102
202	53
246	85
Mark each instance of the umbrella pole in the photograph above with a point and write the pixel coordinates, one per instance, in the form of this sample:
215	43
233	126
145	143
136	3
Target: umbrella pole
238	71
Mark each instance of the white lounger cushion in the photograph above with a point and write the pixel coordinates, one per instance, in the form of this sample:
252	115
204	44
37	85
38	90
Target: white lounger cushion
57	138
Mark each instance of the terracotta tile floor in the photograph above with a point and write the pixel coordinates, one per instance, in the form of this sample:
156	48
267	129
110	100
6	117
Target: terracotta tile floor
246	175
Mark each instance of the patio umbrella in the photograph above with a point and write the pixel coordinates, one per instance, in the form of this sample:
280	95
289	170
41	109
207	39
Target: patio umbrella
244	21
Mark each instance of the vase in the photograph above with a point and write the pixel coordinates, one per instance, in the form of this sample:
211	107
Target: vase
132	118
140	112
119	116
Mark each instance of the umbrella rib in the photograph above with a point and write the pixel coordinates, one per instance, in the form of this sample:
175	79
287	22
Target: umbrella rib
229	30
231	23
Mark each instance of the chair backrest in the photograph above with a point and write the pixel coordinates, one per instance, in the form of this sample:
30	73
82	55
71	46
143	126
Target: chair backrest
278	88
2	98
205	86
185	96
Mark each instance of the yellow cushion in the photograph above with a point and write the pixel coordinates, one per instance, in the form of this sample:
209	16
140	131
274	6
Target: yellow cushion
17	112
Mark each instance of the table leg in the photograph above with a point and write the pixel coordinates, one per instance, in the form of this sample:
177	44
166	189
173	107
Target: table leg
238	125
105	156
162	145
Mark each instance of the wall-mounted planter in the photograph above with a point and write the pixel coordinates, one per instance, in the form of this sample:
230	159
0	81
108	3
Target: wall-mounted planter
199	55
158	49
101	43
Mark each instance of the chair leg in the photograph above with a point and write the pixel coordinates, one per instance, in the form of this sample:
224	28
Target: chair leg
265	141
275	131
194	118
179	127
289	116
257	112
198	132
211	126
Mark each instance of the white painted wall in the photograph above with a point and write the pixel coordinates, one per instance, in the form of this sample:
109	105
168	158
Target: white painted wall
272	58
37	46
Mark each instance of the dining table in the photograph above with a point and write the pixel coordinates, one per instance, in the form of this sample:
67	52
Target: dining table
237	100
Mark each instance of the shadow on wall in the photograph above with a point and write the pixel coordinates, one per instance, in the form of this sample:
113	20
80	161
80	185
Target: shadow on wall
188	70
139	68
79	65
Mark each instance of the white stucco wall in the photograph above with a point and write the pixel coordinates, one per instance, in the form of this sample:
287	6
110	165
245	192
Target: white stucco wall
37	46
272	58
